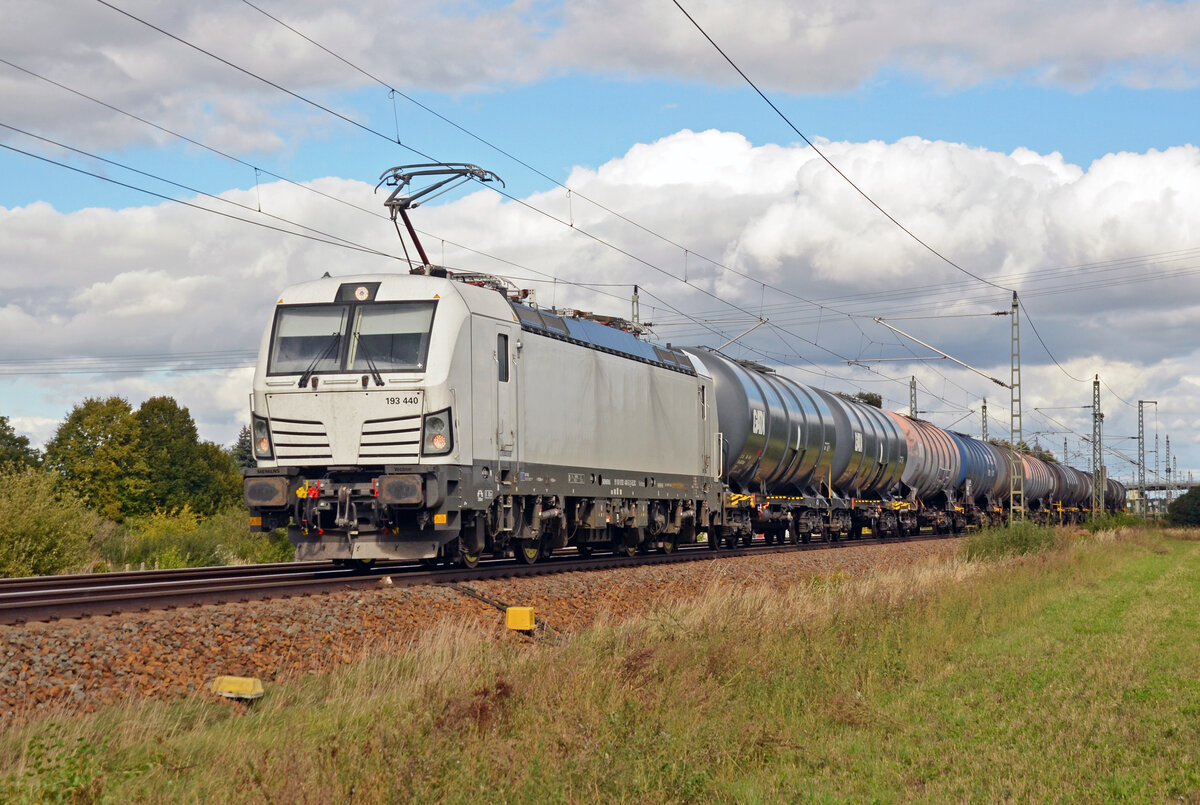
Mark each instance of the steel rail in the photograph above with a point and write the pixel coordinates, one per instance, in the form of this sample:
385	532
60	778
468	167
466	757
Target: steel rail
50	598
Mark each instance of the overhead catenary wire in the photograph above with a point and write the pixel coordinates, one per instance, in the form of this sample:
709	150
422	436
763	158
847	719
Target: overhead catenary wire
571	224
301	97
826	159
858	189
424	155
519	201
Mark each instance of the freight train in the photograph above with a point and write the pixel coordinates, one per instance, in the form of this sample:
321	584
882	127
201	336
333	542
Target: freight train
439	416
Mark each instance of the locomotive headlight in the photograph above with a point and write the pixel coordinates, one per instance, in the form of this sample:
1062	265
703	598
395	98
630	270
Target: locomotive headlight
262	438
438	435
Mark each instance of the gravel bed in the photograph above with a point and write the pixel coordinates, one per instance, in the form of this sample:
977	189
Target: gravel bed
81	665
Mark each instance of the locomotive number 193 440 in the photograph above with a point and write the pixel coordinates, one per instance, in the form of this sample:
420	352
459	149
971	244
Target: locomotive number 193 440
406	399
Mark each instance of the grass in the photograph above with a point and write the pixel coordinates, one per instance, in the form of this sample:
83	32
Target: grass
183	539
1068	674
1019	538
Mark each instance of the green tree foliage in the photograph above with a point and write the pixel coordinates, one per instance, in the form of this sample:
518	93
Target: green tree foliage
125	463
14	448
242	451
1037	451
221	484
864	397
44	528
183	471
95	450
1185	509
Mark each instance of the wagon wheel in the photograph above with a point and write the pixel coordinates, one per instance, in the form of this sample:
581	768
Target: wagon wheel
585	550
528	551
466	557
667	545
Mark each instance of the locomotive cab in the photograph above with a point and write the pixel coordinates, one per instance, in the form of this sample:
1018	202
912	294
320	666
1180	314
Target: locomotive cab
362	415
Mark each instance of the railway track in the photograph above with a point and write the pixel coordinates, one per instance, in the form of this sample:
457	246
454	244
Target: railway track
48	598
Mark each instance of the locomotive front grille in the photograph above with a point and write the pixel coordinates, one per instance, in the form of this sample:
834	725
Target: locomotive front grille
300	439
398	437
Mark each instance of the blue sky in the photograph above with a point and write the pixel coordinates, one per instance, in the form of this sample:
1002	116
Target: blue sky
559	123
950	116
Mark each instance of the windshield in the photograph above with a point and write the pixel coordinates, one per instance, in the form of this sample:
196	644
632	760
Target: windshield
306	339
391	336
386	336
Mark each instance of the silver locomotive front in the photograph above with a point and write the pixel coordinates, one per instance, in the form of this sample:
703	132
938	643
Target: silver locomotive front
358	444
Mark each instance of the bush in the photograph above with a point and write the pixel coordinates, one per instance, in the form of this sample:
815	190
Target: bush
44	529
182	539
1185	509
1019	538
1110	521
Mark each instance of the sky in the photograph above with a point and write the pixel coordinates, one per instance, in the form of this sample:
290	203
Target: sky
167	168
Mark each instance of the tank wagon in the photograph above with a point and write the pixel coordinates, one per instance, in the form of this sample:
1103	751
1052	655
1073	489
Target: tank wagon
440	416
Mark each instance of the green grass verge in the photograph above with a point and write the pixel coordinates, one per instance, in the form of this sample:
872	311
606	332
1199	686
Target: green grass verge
1020	538
183	539
1066	675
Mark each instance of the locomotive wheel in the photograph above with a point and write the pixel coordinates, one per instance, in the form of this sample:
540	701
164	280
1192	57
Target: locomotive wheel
358	564
585	550
714	542
621	549
528	551
667	545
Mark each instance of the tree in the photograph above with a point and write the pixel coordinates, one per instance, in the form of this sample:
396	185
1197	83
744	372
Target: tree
865	397
124	463
182	470
95	452
1185	509
14	448
242	451
167	441
221	485
1036	451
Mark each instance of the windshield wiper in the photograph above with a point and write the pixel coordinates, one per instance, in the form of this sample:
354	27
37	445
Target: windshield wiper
366	353
308	373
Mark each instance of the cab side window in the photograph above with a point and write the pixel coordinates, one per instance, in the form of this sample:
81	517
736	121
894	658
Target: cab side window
502	357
